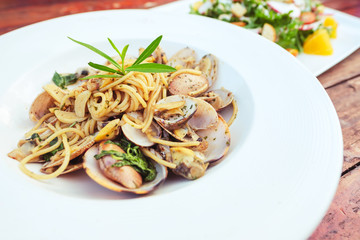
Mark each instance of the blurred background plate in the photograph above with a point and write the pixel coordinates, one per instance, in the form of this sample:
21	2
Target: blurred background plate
347	41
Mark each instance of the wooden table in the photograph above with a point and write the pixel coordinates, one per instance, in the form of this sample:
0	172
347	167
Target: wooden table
342	83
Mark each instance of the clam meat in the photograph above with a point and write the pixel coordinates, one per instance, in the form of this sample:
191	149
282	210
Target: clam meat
174	118
115	174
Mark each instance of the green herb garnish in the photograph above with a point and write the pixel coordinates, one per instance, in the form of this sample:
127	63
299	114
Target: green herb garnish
63	80
48	155
73	124
132	157
120	69
34	136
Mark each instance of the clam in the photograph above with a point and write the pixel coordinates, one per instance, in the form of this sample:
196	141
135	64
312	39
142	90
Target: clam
218	139
160	56
126	175
188	83
41	106
93	169
23	150
83	145
73	166
208	65
136	135
188	164
204	117
164	152
218	98
174	118
186	58
181	133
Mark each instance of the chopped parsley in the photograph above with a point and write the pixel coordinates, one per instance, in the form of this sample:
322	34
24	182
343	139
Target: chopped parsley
48	155
34	136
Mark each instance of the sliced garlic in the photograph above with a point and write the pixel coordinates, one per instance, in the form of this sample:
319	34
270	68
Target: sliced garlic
68	117
80	103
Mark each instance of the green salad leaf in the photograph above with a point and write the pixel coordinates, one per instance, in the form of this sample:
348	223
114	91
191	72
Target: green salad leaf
290	36
258	12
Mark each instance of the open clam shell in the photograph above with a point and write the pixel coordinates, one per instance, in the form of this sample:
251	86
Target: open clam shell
204	117
41	106
160	56
189	84
208	65
226	96
56	160
136	135
218	138
93	170
218	98
185	57
175	121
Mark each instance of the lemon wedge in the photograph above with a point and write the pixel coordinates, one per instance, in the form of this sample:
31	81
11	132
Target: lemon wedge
318	43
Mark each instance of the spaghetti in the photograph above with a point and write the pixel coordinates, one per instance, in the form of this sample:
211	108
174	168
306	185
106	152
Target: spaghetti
96	110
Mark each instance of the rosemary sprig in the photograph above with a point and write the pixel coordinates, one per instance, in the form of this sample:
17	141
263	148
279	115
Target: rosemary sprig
102	76
137	66
98	52
148	51
149	67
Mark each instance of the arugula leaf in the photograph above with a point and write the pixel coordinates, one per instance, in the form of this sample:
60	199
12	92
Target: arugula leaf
263	14
150	67
148	51
132	157
63	80
291	37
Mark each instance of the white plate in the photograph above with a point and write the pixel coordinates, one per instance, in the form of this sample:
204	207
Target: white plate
347	41
276	182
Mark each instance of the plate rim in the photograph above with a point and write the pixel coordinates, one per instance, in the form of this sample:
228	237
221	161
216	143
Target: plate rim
98	12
